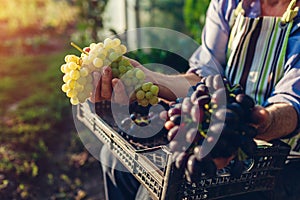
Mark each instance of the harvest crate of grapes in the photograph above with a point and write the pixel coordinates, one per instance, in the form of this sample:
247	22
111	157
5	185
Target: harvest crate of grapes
153	167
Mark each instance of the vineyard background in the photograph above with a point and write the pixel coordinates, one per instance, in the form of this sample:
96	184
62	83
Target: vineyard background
41	155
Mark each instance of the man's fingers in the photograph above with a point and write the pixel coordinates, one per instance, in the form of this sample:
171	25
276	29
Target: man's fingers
106	85
96	95
119	94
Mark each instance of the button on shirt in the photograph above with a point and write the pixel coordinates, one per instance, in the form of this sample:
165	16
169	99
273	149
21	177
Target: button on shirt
210	57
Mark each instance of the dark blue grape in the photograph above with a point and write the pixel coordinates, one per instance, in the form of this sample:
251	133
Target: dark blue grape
245	101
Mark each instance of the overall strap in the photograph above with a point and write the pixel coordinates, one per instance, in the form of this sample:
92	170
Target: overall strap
290	13
257	50
238	10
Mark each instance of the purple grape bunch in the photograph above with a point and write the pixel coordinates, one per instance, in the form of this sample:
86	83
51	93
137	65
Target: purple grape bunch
213	121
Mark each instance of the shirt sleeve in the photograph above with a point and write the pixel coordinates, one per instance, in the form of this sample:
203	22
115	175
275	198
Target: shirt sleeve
210	57
287	90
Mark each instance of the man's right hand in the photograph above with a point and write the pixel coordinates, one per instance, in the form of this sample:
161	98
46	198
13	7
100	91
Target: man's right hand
108	88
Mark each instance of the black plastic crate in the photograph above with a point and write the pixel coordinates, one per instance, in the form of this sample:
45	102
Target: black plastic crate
153	167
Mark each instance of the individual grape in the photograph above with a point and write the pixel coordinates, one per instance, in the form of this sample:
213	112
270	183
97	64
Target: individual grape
224	148
172	133
198	152
224	129
73	66
113	56
197	114
238	109
140	94
133	116
218	82
82	80
219	96
74	101
169	124
71	93
245	101
194	167
71	84
147	86
154	89
144	102
163	115
186	105
122	69
149	95
181	160
176	119
226	115
66	78
78	87
174	145
192	135
209	82
154	100
202	88
140	74
98	63
84	72
174	111
74	74
202	100
65	88
197	94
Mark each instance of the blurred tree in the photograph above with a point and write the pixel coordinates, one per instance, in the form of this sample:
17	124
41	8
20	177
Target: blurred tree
194	16
90	22
169	10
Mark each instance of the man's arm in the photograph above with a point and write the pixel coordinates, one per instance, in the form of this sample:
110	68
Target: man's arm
174	86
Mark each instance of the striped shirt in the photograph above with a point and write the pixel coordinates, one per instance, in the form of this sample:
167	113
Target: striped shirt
210	57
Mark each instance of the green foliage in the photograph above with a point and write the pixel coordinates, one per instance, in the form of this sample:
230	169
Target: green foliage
90	21
33	111
166	58
194	16
168	10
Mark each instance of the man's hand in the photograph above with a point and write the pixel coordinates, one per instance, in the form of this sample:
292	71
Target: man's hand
261	118
107	88
275	121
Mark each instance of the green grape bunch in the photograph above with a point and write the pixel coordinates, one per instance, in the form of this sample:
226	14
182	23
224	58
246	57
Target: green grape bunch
78	72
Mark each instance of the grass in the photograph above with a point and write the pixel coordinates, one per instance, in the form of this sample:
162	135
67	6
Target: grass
39	146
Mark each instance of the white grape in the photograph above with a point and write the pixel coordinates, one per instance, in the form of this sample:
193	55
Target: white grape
71	93
71	84
84	72
62	68
74	100
65	87
98	63
75	74
82	80
66	78
73	66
